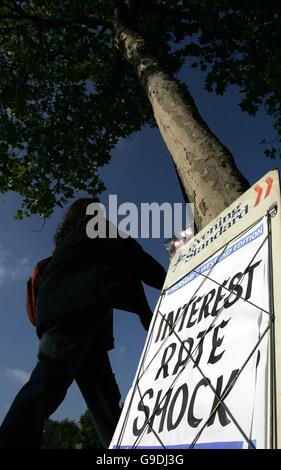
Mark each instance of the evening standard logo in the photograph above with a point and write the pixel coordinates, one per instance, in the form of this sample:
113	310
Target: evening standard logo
198	244
217	259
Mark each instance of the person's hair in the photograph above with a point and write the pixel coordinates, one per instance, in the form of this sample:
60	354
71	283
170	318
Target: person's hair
74	216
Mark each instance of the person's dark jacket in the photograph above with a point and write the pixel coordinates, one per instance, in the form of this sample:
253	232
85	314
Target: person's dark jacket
89	275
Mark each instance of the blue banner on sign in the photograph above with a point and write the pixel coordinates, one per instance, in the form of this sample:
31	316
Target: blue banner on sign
217	259
205	445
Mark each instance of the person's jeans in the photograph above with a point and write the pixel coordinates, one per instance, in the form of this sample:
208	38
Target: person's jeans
98	386
67	352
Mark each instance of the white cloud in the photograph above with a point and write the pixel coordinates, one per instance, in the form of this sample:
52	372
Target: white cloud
18	375
3	269
20	270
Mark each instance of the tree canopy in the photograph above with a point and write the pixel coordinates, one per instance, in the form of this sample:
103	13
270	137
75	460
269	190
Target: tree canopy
238	46
67	94
67	434
60	434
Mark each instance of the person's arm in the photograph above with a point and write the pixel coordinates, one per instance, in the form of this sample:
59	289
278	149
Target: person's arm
130	258
152	272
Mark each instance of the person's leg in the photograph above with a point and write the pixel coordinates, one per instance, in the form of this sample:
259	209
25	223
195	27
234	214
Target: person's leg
61	352
98	386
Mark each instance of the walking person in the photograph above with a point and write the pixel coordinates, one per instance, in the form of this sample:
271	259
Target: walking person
83	281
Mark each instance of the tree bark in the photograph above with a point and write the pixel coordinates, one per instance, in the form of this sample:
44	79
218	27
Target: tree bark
206	167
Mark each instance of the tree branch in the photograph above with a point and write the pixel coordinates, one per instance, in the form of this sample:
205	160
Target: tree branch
165	10
48	22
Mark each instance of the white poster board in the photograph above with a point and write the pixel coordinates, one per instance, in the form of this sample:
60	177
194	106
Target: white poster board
204	378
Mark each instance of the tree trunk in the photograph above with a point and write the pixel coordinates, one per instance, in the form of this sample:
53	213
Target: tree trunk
205	166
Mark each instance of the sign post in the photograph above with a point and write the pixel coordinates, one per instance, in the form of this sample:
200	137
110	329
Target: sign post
209	373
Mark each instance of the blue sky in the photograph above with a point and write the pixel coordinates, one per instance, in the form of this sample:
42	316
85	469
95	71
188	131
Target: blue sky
141	170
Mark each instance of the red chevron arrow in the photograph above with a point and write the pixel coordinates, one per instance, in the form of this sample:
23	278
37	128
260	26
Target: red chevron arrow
269	182
259	190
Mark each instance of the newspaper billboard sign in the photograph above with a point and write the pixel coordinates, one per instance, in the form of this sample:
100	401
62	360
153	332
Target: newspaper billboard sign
208	373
